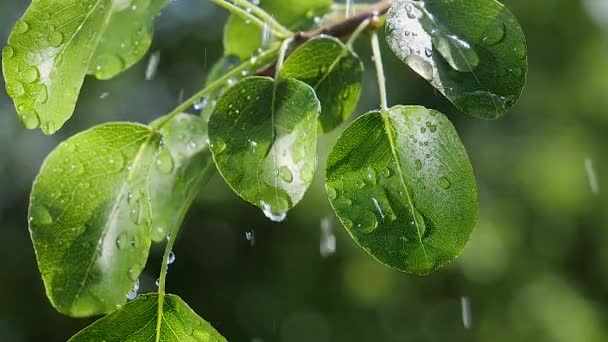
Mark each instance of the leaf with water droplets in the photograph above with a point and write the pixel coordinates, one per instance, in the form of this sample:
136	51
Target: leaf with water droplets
90	218
127	38
242	38
473	51
139	321
263	140
407	196
182	166
334	71
57	43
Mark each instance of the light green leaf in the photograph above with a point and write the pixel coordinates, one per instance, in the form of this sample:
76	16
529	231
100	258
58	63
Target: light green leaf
127	38
263	139
335	73
90	217
138	321
219	69
243	39
52	47
182	166
473	51
402	184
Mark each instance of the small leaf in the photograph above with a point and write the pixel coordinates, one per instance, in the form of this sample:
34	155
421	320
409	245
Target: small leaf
51	49
402	184
90	217
335	73
127	38
243	39
263	139
182	166
473	51
139	321
219	69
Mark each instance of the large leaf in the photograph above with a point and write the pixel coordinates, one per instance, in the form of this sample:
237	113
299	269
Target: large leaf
127	38
138	321
90	217
182	166
335	73
402	184
263	139
52	47
473	51
242	38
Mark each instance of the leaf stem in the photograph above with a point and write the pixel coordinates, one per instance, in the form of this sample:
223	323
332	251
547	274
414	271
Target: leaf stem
380	72
264	16
281	33
362	27
262	59
282	54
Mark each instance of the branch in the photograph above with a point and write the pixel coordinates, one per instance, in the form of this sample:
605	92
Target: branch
340	29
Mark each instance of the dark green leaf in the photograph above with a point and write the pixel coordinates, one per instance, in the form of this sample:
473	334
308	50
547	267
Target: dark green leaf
52	48
90	217
219	69
335	73
138	321
127	37
403	186
473	51
243	39
182	166
263	139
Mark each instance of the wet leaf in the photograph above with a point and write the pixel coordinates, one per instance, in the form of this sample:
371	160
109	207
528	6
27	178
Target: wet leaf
89	217
403	186
473	51
335	73
243	39
127	38
56	43
138	321
263	139
181	167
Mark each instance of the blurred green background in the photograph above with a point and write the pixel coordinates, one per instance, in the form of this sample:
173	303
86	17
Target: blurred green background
536	267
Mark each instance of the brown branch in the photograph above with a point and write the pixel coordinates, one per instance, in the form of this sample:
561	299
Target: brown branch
341	29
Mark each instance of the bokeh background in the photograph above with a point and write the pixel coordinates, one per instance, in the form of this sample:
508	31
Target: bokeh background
537	265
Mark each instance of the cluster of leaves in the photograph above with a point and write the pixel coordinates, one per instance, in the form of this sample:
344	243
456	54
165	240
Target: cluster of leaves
399	178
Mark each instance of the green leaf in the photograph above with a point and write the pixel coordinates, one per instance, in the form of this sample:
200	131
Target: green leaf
334	71
402	184
473	51
51	49
182	166
243	39
127	38
263	139
219	69
90	217
138	321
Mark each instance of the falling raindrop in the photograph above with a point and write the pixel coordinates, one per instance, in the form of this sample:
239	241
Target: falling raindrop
250	236
592	176
271	214
134	290
152	67
467	314
327	245
171	258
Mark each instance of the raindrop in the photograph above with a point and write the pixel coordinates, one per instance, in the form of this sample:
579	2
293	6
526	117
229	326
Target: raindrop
121	240
308	173
273	215
157	282
15	89
30	120
152	66
116	161
285	174
49	127
347	223
171	258
7	52
218	146
164	161
459	54
378	207
21	26
43	95
133	273
387	172
444	183
592	176
327	245
367	222
108	65
201	104
418	164
41	215
134	290
331	192
55	38
250	236
494	34
467	314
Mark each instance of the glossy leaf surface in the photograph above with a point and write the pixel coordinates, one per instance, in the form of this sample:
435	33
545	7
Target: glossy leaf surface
335	73
263	139
219	69
243	39
90	217
473	51
404	188
138	322
51	49
182	166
